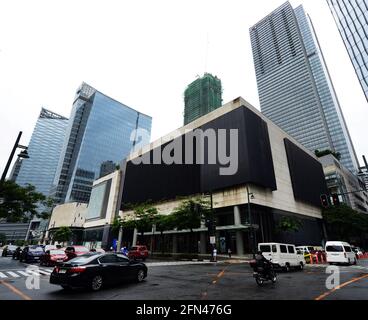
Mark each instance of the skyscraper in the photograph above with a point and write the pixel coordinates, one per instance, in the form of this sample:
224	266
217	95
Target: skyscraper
201	97
294	85
100	129
44	151
351	17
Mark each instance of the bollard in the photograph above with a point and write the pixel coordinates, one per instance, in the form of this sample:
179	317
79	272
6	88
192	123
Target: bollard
317	259
310	259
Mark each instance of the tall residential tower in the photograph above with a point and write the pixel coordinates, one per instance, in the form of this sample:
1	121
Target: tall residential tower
100	129
201	97
294	85
351	17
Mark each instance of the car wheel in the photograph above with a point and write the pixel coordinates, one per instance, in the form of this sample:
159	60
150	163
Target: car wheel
96	283
140	275
349	262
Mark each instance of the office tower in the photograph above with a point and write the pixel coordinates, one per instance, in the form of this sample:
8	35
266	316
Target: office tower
294	85
107	167
351	17
201	97
100	129
44	151
15	171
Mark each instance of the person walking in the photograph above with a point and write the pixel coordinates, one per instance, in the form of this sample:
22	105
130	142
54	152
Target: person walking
229	252
214	254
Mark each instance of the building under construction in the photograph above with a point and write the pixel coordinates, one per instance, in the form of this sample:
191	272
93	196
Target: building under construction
201	97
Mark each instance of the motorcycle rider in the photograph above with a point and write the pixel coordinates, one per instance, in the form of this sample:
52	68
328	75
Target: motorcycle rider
263	262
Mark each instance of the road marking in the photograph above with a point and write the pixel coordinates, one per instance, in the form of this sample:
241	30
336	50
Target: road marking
44	272
33	272
23	273
15	290
2	275
324	295
13	274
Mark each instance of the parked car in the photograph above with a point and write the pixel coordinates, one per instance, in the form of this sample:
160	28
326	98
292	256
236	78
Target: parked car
283	255
75	251
138	252
9	250
340	252
31	254
53	257
49	247
94	270
17	253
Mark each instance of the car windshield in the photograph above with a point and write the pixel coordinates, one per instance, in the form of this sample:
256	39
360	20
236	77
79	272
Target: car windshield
12	247
57	252
35	248
335	249
81	249
265	248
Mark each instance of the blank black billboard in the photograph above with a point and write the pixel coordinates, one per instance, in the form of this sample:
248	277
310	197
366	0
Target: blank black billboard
306	173
254	164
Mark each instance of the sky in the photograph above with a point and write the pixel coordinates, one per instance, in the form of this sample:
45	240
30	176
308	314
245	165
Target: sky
144	53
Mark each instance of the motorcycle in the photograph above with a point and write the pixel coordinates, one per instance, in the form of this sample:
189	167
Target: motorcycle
262	275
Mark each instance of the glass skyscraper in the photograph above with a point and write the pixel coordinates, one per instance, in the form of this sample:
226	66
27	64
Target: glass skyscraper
99	130
294	85
44	150
351	17
201	97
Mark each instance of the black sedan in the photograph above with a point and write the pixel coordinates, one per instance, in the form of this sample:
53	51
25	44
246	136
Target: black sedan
94	270
9	250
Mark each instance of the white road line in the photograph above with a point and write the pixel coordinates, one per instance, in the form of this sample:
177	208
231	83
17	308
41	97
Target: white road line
33	272
2	275
44	272
13	274
23	273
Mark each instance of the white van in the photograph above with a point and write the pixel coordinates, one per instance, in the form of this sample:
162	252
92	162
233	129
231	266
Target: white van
282	255
339	252
306	249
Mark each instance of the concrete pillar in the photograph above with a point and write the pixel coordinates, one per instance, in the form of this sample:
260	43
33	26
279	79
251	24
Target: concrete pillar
239	243
203	245
135	234
237	219
120	238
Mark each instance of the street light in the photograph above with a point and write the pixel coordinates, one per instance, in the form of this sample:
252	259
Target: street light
252	237
23	154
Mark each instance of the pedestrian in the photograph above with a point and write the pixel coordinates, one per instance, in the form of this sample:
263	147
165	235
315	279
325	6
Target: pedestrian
214	254
229	252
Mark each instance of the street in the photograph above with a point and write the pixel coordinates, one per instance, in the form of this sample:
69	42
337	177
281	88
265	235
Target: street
231	280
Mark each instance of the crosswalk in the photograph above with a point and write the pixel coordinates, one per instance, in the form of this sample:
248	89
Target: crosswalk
175	263
8	274
356	267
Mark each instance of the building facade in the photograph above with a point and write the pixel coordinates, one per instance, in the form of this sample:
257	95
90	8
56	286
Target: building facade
201	97
340	181
351	17
294	86
100	129
44	151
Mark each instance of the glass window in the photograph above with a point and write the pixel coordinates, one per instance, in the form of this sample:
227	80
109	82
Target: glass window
291	249
334	249
265	248
121	258
110	258
347	249
274	248
283	249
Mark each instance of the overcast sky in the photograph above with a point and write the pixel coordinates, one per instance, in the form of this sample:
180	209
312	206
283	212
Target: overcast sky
144	54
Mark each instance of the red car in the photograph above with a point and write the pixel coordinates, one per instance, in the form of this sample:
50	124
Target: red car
53	257
138	252
75	251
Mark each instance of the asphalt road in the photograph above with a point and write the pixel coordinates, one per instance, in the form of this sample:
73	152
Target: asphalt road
195	281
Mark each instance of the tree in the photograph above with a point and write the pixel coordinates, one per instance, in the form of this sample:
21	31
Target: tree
322	153
190	213
63	234
345	224
164	223
289	224
2	238
21	203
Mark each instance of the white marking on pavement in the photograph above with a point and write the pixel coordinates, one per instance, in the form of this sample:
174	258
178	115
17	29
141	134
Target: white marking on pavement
23	273
44	272
2	275
13	274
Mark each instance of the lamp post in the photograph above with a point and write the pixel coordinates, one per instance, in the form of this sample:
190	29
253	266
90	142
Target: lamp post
23	154
252	237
